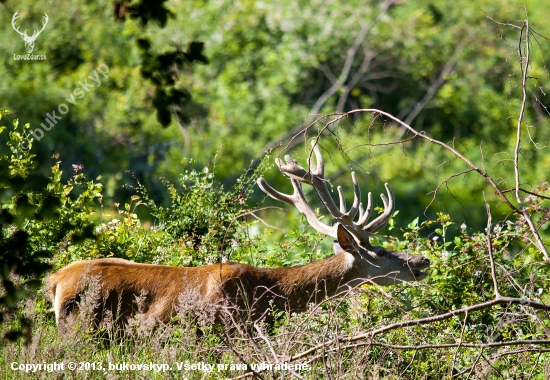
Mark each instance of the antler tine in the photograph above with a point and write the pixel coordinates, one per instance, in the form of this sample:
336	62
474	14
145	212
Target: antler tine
293	170
314	178
382	219
15	17
356	197
311	165
299	201
347	216
364	216
320	167
361	212
266	188
36	32
342	200
319	184
303	206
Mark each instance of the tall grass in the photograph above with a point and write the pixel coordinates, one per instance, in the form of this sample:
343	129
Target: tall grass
231	348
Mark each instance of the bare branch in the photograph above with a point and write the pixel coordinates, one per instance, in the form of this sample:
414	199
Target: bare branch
350	58
422	321
524	64
436	85
459	344
338	83
490	248
523	212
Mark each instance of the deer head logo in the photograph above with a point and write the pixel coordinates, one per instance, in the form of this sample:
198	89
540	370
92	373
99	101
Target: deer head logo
29	40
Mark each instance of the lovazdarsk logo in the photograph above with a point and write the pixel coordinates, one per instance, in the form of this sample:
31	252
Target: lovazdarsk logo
29	40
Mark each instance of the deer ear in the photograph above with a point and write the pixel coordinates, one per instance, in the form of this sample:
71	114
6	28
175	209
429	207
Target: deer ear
337	248
346	240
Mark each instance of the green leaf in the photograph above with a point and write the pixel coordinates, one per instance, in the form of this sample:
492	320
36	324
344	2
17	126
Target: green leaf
413	225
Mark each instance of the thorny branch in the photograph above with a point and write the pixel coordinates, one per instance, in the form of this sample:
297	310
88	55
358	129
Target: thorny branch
426	320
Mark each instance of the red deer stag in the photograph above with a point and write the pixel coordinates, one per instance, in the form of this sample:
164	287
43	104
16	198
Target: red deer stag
248	291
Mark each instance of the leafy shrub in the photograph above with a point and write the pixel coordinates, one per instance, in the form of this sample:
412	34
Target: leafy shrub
23	197
203	218
46	222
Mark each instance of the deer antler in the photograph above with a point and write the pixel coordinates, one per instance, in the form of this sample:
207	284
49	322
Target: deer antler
315	177
15	17
44	23
24	34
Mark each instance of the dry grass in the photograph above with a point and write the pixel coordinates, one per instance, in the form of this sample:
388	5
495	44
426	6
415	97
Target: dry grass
235	347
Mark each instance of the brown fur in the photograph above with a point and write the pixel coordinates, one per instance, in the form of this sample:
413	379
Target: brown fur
250	290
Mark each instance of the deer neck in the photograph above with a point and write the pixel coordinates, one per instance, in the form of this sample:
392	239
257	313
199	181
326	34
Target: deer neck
316	281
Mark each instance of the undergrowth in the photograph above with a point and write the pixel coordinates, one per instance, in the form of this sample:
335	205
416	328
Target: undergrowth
64	221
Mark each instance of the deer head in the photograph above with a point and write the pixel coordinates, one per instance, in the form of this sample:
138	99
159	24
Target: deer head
29	40
370	263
